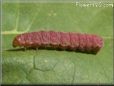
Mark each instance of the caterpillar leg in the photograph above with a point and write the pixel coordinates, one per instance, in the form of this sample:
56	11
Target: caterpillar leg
25	48
37	49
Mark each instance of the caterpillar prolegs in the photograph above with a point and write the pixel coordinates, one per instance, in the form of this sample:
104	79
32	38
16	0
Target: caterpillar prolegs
88	43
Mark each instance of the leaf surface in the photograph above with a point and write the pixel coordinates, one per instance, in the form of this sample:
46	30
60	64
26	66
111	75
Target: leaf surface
52	66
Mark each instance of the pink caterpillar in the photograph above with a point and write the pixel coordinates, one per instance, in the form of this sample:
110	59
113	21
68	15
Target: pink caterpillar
87	43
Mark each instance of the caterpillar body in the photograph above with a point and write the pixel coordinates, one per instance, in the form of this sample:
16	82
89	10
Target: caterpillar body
88	43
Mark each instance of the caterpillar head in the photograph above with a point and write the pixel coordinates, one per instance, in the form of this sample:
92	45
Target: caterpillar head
17	41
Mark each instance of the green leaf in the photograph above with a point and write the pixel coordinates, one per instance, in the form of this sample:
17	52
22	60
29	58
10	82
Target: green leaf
52	66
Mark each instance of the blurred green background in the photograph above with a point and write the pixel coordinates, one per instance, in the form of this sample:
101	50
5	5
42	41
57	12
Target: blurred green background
52	66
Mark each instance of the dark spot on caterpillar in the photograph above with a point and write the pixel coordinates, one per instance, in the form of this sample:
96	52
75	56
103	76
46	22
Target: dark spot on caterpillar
87	43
